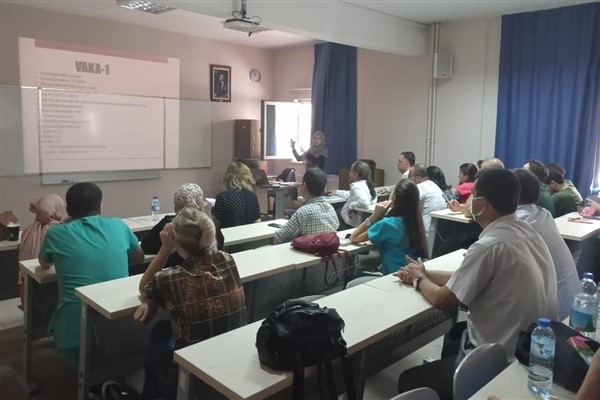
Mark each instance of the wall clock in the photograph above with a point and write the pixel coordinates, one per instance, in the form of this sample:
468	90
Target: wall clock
255	75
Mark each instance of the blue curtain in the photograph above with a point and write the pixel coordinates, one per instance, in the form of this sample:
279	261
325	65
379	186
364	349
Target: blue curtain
549	90
334	102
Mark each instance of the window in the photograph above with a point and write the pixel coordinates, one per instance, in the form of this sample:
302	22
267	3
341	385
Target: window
282	122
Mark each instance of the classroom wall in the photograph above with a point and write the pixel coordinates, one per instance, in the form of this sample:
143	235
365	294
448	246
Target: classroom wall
133	197
466	103
292	68
392	108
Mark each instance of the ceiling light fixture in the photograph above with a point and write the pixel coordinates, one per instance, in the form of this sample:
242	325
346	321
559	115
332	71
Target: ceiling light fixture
146	6
241	23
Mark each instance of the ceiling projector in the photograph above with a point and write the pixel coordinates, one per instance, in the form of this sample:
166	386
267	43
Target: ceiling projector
244	25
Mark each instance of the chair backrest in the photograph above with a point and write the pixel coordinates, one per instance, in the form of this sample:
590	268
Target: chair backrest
360	281
289	175
423	393
478	367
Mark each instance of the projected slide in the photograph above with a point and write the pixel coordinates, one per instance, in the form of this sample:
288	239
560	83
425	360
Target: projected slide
101	109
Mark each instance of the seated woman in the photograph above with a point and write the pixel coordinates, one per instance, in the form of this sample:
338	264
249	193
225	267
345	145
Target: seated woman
204	295
361	194
188	195
49	210
237	204
466	180
396	228
316	155
436	175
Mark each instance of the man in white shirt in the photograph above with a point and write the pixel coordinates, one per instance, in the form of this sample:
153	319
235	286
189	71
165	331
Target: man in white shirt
541	220
507	279
405	161
431	196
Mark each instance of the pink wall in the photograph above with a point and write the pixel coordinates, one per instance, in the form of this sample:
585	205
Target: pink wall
133	197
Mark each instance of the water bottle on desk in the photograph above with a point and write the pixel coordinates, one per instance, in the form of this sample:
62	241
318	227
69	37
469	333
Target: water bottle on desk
584	309
541	359
155	208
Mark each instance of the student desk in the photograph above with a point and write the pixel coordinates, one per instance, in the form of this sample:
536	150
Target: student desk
250	233
237	373
512	384
278	189
577	231
110	353
452	231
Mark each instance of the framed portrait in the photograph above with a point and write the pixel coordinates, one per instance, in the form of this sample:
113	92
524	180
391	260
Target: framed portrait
220	83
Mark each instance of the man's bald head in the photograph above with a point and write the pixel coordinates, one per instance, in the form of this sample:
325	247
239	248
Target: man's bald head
490	163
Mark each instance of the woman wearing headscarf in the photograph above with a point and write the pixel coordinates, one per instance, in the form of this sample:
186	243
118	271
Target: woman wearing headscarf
48	210
188	195
316	155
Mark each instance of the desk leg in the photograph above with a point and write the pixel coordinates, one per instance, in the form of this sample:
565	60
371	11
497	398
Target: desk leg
279	204
360	376
183	384
252	288
85	344
28	333
431	236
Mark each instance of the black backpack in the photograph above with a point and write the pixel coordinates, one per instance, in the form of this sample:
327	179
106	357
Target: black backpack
298	334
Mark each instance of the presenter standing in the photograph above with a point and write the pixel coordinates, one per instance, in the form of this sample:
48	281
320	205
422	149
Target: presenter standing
316	155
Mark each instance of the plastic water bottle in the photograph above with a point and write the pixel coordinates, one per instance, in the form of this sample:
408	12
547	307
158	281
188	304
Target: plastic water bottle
155	208
584	309
541	359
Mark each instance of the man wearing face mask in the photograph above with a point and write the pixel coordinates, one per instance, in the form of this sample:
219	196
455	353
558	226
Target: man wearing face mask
507	279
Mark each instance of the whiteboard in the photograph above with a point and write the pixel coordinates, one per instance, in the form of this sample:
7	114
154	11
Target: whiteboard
186	133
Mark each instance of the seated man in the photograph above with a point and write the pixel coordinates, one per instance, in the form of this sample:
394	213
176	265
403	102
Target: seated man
316	215
431	196
87	249
507	279
563	172
405	161
564	197
541	220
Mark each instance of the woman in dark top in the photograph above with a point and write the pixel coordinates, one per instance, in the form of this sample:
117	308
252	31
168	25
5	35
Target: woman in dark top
237	204
436	175
316	155
188	195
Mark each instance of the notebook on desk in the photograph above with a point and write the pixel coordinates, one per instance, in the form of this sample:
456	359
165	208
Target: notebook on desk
259	176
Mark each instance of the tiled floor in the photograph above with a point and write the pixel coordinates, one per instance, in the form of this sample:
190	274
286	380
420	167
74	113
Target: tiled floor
10	314
384	385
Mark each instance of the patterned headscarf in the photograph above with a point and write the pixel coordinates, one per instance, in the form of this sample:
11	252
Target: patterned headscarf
320	150
190	195
49	209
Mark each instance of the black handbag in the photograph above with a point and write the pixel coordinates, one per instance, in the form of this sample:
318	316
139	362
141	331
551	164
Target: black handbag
569	367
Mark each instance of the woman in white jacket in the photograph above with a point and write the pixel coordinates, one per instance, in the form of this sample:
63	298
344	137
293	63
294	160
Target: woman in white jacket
361	195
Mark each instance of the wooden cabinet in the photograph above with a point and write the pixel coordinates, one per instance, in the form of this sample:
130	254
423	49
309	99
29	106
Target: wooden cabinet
246	139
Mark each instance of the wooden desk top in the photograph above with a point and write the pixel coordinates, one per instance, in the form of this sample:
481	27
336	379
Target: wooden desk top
450	215
577	231
251	232
512	384
237	373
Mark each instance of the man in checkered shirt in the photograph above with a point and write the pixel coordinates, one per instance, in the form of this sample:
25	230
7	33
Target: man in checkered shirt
316	215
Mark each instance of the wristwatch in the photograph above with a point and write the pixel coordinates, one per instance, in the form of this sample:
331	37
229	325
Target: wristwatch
418	280
368	222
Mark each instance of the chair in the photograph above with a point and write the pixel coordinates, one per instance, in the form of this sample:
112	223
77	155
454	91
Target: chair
423	393
480	366
287	175
361	280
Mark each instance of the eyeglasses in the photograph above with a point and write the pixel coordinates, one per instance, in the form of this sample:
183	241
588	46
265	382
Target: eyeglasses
477	198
